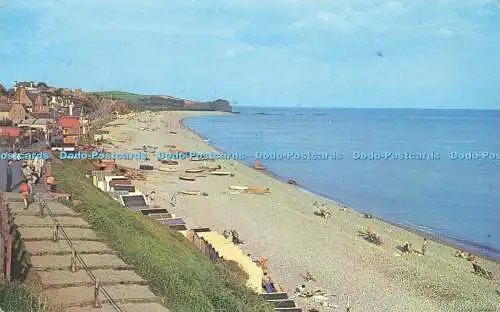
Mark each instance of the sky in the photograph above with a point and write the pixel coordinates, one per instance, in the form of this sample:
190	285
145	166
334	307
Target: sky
324	53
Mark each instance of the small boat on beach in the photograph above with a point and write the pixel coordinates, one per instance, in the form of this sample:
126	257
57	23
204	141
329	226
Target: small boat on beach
291	182
170	162
194	170
238	188
190	192
222	173
187	178
259	190
258	166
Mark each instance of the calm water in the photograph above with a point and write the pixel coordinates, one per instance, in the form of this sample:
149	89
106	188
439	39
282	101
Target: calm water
456	199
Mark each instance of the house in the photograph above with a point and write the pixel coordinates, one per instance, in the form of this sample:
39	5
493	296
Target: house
22	97
71	128
13	111
40	104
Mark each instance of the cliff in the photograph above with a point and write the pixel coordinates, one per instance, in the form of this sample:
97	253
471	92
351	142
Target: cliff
171	103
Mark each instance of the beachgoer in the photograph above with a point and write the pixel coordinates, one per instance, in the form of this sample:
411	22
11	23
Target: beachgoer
369	229
8	187
406	247
226	234
25	190
309	277
27	173
236	237
424	246
299	290
267	283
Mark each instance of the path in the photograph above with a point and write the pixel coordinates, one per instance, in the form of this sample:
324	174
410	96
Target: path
52	261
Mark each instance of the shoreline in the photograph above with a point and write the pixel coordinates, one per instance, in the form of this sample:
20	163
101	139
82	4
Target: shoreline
434	236
281	226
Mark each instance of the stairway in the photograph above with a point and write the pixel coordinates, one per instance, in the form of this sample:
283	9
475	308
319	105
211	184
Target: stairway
74	291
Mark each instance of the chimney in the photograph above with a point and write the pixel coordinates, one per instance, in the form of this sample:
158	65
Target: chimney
71	105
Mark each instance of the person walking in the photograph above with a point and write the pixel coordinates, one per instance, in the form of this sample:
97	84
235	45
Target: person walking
8	186
25	191
424	246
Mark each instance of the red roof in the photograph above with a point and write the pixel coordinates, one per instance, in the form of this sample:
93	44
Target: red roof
10	131
68	122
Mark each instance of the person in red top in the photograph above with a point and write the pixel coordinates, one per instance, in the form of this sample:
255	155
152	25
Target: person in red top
25	190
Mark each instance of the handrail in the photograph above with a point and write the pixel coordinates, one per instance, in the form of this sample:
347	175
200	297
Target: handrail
44	207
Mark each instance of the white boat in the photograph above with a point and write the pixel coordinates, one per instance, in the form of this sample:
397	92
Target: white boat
221	173
238	188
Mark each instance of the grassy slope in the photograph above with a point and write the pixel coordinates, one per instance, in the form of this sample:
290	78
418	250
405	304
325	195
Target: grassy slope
173	267
132	97
17	298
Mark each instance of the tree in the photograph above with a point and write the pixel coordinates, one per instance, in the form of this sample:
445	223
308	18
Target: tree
42	85
3	91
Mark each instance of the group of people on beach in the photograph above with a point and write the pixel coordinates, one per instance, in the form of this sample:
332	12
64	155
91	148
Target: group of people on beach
233	236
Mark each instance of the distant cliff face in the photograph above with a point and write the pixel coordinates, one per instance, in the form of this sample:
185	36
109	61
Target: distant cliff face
171	103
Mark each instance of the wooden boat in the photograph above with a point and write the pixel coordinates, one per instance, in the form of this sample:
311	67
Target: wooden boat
193	170
258	190
238	188
292	182
190	192
170	146
187	178
170	162
222	173
258	166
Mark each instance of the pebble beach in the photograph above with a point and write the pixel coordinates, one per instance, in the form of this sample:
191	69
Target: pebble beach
281	225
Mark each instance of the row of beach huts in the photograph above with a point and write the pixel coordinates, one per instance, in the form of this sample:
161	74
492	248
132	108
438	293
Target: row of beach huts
211	243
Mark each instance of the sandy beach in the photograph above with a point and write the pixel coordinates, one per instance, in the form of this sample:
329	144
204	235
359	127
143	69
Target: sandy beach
281	226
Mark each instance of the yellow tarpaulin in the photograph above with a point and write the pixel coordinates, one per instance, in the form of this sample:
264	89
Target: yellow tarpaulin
228	251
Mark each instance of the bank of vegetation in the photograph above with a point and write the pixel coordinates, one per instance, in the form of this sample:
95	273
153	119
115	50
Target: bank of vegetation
175	270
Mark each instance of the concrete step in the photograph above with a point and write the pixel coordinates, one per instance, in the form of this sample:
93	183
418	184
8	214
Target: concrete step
57	209
287	303
47	221
83	296
60	279
275	296
41	248
93	261
128	307
46	233
13	197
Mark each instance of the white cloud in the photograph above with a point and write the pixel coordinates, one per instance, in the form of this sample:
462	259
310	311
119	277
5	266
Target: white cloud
445	33
238	50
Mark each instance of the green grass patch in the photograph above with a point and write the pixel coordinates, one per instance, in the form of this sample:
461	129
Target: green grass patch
185	277
132	97
16	297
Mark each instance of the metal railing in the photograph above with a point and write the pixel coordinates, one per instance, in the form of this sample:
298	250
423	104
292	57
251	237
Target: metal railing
5	240
58	230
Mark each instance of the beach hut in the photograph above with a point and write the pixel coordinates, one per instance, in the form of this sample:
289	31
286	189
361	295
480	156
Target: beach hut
135	202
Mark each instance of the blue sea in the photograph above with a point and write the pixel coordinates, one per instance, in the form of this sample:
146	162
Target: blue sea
366	159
